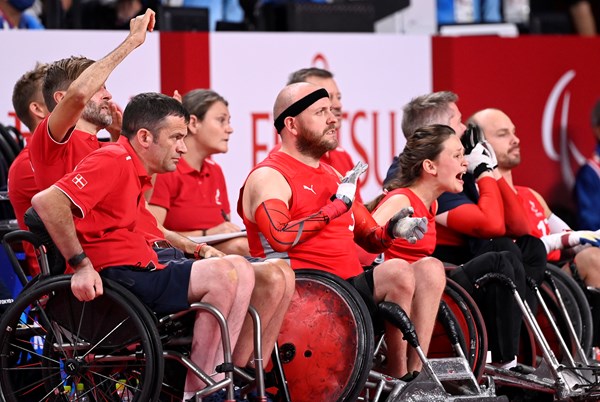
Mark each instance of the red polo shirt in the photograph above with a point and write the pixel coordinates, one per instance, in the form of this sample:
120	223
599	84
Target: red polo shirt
21	188
108	187
51	160
193	199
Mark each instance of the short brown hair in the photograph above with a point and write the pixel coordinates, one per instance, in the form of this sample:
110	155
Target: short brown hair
61	74
28	89
198	101
302	74
427	109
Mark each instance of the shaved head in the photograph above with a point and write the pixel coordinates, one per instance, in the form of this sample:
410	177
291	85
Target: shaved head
290	94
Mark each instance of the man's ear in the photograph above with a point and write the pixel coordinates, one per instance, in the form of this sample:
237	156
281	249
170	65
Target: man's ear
58	96
144	137
37	110
290	123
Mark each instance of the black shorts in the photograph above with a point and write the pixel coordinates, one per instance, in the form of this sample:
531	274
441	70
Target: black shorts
365	285
164	291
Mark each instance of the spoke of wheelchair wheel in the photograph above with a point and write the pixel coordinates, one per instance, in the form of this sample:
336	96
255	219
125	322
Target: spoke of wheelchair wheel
80	323
33	354
105	336
25	390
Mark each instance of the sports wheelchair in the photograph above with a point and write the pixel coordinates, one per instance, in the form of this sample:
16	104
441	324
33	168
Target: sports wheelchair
556	343
329	350
110	349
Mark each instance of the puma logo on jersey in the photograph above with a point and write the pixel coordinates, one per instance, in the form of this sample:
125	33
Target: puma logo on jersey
309	188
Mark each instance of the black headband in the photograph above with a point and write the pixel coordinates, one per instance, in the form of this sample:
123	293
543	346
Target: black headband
299	106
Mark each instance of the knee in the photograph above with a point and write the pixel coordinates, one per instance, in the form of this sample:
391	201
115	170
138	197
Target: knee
399	274
243	268
216	275
431	274
274	279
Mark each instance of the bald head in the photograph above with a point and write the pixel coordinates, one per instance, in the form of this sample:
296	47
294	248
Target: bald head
500	132
290	94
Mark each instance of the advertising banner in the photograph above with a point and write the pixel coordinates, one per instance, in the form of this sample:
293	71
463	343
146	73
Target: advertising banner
546	84
376	74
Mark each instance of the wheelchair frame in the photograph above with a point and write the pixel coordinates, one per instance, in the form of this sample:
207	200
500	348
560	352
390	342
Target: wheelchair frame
76	349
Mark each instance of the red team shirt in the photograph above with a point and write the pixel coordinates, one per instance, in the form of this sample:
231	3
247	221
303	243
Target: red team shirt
193	199
110	203
423	248
332	249
51	160
339	159
536	216
21	189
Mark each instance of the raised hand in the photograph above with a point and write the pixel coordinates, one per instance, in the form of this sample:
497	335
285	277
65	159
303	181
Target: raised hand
138	26
347	189
403	225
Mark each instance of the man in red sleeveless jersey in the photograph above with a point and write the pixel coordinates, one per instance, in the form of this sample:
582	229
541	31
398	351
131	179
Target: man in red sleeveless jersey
305	215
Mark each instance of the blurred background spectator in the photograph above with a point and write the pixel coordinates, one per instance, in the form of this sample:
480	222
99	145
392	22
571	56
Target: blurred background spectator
16	14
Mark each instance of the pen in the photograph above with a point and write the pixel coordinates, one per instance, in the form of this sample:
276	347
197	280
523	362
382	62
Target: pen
224	215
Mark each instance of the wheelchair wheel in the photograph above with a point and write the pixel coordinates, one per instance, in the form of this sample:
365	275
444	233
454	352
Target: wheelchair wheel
467	318
50	340
326	340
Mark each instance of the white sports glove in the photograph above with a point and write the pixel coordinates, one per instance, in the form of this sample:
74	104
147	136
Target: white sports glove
491	153
403	225
347	189
559	241
479	160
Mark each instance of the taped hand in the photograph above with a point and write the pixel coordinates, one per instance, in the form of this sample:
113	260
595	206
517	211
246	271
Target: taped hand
479	160
403	225
347	189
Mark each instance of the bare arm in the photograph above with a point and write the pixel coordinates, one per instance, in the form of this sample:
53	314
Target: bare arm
56	210
67	111
388	209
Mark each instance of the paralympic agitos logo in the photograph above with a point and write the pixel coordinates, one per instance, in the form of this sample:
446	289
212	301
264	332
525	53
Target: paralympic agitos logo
566	147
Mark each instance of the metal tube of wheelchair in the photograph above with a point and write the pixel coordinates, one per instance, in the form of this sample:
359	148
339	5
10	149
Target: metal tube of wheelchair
227	358
258	359
172	355
539	337
527	316
561	340
280	375
580	352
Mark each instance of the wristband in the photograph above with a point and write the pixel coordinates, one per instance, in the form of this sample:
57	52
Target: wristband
76	259
481	168
199	247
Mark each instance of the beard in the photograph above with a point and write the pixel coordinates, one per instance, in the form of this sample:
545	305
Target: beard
94	114
315	144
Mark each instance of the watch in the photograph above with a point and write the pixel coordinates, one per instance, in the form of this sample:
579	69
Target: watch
76	259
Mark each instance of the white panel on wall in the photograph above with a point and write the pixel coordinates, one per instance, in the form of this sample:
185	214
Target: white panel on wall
376	74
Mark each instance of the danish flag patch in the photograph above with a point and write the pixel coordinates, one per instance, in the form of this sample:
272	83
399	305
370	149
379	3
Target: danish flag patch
80	181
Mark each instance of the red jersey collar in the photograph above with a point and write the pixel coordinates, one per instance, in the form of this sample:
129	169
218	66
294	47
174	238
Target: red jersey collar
184	167
145	179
